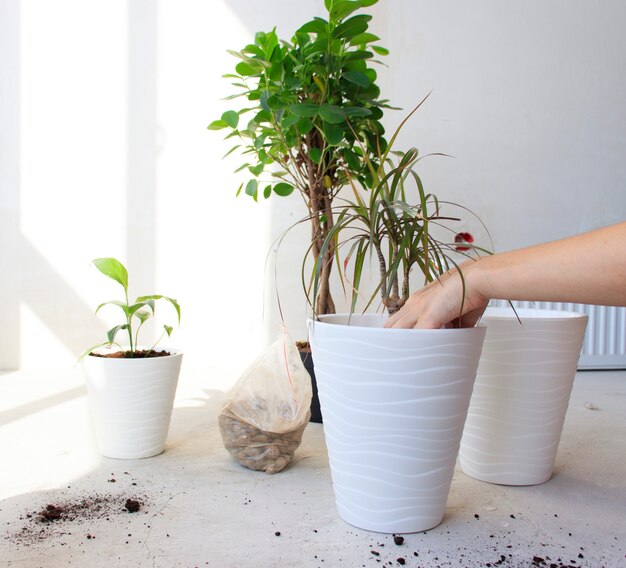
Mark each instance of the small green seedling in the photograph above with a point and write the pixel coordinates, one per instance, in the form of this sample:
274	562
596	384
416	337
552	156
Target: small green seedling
135	314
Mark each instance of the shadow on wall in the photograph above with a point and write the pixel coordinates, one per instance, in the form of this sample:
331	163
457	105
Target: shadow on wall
26	275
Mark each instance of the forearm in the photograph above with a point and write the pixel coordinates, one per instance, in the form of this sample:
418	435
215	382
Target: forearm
589	269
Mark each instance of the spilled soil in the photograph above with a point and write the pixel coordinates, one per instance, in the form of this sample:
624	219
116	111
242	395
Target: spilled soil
65	514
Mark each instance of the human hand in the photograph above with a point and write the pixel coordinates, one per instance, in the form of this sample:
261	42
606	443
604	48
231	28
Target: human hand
441	304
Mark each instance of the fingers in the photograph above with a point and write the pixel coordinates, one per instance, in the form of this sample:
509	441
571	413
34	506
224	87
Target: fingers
414	314
432	307
407	316
402	319
392	321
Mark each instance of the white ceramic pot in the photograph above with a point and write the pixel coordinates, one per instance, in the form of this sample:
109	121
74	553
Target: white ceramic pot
131	403
520	399
394	403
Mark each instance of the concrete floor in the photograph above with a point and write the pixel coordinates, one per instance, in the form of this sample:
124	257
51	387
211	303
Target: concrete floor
199	508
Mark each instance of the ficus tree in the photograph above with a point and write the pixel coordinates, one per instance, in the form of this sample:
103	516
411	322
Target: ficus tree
311	120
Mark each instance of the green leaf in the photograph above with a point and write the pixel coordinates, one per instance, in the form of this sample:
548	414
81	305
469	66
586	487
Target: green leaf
142	316
242	167
231	151
156	297
263	116
361	39
264	157
342	8
380	50
231	118
252	188
217	125
291	139
357	112
263	100
256	170
274	103
113	332
92	349
271	42
316	155
168	329
305	109
352	160
267	191
357	78
117	303
319	46
289	121
332	114
114	269
246	70
259	141
141	304
352	27
283	189
253	50
377	113
293	83
305	125
276	72
315	26
357	55
332	133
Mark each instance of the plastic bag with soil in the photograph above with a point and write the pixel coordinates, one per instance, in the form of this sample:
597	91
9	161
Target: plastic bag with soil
265	413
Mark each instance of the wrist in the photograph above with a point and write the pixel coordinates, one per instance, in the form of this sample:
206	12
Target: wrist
477	278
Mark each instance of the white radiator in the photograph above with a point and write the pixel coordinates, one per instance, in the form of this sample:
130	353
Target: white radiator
605	340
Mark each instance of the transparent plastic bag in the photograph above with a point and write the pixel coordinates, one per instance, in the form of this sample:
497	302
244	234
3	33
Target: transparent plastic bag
265	413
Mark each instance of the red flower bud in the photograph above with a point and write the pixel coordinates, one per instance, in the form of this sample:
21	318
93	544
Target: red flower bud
463	238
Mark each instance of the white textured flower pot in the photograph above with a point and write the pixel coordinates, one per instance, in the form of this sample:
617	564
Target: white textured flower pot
131	403
394	403
520	399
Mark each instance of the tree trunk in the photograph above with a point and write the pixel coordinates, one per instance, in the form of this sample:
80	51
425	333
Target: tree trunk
320	207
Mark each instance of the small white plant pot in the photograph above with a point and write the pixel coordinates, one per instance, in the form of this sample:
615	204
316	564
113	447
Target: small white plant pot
394	402
131	403
520	399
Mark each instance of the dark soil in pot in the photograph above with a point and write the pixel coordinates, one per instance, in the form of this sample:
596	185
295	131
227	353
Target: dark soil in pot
307	360
142	354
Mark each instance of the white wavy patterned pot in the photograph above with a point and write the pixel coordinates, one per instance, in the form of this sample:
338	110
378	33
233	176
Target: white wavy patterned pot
520	399
131	403
394	402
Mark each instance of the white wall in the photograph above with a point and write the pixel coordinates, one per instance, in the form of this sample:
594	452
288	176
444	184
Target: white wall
104	151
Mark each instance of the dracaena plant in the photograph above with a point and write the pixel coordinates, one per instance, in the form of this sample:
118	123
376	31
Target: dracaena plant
397	230
135	314
311	118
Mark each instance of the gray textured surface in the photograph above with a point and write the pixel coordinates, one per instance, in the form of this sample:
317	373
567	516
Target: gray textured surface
201	509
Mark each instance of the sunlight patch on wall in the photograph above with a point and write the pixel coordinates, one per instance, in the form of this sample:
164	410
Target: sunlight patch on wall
211	245
73	130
